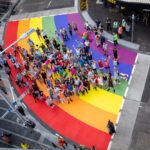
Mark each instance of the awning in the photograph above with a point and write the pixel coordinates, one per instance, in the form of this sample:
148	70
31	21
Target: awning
136	4
136	1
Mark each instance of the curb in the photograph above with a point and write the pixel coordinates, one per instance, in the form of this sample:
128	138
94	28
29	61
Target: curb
124	99
108	36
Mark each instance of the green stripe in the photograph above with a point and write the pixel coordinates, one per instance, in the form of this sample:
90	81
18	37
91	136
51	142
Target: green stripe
120	89
49	26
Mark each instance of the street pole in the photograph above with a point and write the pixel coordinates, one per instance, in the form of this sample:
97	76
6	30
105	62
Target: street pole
11	107
133	19
23	36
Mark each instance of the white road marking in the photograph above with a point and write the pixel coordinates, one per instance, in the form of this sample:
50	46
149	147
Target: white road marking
109	146
126	92
49	4
130	80
64	13
133	70
137	56
110	41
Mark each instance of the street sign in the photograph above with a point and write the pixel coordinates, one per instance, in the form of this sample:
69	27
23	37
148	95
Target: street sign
26	34
23	36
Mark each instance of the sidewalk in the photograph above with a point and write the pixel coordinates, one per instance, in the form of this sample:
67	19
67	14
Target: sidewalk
142	32
133	125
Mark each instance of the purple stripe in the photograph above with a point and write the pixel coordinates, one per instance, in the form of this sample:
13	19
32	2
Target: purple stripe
126	56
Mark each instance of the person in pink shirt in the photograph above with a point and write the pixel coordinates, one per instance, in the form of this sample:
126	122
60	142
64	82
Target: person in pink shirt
73	71
83	89
106	64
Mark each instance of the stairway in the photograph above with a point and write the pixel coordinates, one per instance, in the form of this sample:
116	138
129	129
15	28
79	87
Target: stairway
19	133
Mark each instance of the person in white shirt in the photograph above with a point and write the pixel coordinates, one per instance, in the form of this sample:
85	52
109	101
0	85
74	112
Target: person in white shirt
43	34
77	50
87	26
90	75
65	56
93	65
49	102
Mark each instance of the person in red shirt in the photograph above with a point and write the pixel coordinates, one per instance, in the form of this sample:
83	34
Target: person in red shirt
59	57
61	142
106	64
100	64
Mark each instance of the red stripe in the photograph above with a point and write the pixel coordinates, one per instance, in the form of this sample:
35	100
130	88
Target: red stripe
10	33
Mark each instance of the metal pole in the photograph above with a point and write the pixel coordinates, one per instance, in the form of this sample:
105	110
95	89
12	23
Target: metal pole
133	19
23	36
12	93
9	46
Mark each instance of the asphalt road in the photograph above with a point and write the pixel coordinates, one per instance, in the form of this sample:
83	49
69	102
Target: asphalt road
27	6
141	132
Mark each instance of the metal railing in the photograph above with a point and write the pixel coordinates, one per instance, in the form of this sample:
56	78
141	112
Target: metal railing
9	12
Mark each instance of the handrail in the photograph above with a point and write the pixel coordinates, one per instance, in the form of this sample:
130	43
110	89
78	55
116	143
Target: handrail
9	11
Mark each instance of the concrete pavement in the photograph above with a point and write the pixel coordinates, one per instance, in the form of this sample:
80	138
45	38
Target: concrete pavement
129	123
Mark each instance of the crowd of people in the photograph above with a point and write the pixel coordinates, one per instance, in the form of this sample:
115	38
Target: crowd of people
63	72
118	28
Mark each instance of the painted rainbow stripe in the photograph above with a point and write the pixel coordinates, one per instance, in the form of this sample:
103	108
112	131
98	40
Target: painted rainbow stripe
84	121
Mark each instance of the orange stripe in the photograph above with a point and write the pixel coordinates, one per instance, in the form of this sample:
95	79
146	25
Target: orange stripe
23	26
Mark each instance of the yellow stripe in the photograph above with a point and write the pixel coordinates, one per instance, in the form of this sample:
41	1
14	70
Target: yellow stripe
93	116
36	23
105	100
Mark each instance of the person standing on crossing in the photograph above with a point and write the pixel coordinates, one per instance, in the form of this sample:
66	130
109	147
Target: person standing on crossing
120	31
115	38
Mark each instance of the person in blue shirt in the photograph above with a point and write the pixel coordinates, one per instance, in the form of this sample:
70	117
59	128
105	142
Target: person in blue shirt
48	82
70	87
81	61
